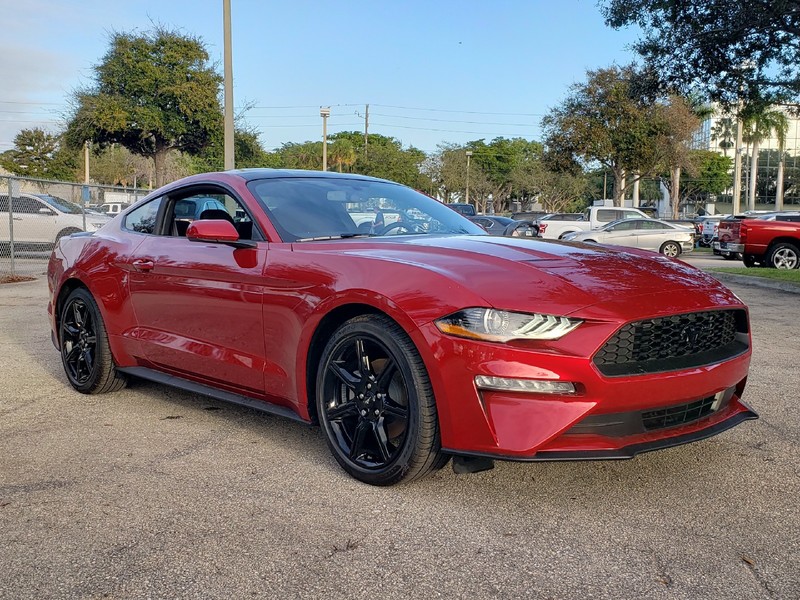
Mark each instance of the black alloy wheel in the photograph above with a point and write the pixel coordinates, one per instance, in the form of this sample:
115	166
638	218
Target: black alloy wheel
85	353
375	403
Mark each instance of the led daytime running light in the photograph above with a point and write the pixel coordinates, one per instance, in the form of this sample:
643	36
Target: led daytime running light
539	386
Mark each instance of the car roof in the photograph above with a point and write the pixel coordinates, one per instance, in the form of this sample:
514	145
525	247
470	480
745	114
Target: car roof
256	174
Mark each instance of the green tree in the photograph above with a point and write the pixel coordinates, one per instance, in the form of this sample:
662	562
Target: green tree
608	120
724	133
695	44
40	155
153	94
247	149
759	125
342	152
709	174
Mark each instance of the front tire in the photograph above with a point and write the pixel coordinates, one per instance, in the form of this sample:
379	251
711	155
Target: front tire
784	256
375	403
85	352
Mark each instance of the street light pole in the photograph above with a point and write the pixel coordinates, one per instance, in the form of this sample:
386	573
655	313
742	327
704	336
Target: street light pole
737	167
469	154
324	112
228	151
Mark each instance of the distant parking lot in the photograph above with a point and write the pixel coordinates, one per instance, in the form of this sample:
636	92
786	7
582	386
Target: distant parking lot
154	492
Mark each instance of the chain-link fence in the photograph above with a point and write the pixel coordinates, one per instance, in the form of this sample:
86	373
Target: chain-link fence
35	213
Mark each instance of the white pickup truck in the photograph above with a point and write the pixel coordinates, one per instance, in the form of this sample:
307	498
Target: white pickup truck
593	217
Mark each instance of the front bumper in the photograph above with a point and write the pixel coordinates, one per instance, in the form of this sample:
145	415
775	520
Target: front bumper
728	247
535	426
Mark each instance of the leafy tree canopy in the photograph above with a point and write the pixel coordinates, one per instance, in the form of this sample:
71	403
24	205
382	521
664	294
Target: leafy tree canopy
153	93
726	48
612	120
40	155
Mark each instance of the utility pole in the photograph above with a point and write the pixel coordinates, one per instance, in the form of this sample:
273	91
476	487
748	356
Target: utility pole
366	130
469	154
229	161
324	112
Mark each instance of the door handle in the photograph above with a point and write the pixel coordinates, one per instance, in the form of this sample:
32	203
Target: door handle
17	218
143	265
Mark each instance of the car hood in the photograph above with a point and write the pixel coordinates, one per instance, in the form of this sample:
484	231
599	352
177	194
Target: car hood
555	277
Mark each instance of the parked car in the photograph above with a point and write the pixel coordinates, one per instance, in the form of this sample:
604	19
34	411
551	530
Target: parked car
708	230
40	220
113	208
409	344
496	225
669	239
770	239
462	208
594	217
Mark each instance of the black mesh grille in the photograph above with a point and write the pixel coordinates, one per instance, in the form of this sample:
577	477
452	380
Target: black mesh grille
677	415
675	342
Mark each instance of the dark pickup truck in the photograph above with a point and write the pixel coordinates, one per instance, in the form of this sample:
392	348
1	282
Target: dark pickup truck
772	241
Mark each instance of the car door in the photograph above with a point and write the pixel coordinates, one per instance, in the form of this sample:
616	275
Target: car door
620	234
650	235
199	305
34	221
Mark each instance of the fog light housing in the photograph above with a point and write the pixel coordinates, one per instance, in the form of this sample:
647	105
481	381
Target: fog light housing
537	386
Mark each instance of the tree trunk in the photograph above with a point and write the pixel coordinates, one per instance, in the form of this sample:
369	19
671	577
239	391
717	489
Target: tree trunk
779	186
636	183
619	187
160	164
751	194
675	192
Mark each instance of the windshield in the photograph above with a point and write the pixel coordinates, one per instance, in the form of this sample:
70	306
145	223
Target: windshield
304	209
60	204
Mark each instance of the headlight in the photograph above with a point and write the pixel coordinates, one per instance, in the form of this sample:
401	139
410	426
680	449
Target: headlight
502	326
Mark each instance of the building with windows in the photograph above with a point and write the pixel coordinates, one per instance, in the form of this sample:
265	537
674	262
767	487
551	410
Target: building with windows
718	133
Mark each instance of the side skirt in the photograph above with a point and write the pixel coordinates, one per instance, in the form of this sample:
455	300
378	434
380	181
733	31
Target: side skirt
206	390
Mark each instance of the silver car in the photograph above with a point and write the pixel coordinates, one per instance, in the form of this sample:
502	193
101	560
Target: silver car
649	234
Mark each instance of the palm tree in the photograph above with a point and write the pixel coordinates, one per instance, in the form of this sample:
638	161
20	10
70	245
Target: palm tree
342	152
758	127
724	131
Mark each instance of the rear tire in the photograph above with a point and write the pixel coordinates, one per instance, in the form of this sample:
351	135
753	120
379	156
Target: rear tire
750	261
85	352
670	249
784	256
375	403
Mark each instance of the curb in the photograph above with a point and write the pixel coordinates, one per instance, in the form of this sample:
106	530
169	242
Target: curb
761	282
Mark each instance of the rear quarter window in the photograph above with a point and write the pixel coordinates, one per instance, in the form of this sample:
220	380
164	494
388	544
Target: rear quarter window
143	219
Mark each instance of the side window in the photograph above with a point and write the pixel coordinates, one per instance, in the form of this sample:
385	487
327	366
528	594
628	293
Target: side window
624	226
649	225
143	219
606	216
209	205
624	214
28	206
3	203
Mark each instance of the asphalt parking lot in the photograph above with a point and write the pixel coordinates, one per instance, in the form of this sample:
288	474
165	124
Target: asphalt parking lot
154	493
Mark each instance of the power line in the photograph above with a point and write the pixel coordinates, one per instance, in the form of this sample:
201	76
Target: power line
463	112
456	121
454	130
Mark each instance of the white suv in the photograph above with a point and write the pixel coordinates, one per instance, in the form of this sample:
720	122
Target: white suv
41	220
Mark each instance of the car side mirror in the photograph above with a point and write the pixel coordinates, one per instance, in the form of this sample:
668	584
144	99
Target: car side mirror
46	211
217	231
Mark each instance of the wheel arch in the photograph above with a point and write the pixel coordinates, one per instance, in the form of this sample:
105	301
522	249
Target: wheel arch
67	287
327	325
783	240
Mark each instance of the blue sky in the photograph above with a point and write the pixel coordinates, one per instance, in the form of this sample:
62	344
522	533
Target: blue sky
432	72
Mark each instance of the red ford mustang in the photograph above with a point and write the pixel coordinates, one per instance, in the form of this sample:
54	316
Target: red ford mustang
399	326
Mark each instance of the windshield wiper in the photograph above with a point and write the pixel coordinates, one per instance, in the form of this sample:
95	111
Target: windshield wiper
340	236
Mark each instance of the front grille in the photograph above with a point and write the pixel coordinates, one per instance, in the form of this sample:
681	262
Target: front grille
677	415
674	342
